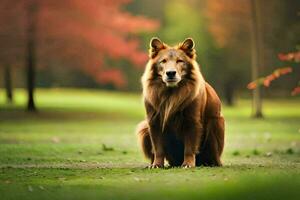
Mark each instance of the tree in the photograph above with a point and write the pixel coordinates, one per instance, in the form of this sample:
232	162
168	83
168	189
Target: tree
8	84
229	26
76	33
31	39
257	55
231	22
10	40
263	27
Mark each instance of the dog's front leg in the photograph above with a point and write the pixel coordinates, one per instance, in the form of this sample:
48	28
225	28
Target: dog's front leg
192	137
155	136
158	150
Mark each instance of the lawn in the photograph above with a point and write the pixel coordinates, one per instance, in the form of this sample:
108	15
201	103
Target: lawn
81	144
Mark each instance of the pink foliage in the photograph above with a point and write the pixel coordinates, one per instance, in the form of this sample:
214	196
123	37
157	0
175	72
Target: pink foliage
80	33
112	76
266	81
292	56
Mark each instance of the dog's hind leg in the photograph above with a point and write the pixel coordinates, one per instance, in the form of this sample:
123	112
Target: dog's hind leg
212	144
145	140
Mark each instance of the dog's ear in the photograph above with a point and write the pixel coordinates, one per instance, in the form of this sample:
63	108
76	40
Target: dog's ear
188	46
155	46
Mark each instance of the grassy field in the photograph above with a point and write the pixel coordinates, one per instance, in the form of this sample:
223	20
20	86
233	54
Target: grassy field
81	144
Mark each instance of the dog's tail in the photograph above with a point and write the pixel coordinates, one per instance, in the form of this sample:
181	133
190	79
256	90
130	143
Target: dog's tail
142	131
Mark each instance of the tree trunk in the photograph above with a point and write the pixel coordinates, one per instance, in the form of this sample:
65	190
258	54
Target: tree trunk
8	84
257	56
31	54
229	93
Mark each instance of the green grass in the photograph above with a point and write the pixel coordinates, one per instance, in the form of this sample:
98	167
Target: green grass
58	153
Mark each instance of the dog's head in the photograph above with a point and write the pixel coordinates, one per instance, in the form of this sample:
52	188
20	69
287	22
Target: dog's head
172	64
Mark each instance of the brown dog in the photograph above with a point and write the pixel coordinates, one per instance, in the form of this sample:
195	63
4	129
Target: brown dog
184	123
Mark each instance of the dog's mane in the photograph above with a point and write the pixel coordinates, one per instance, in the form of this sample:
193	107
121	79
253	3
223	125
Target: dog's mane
167	101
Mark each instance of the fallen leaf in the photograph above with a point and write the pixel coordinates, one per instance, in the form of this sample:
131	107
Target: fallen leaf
269	154
30	189
55	139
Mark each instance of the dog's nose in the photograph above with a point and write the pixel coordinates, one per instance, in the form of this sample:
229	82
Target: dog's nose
171	74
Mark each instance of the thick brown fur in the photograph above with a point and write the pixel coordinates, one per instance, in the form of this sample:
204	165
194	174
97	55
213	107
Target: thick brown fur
184	124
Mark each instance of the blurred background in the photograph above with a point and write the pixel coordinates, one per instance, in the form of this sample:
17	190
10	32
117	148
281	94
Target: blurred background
70	97
103	44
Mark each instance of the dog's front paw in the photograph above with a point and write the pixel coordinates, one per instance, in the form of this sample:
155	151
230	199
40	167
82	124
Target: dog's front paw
187	166
189	161
157	163
155	166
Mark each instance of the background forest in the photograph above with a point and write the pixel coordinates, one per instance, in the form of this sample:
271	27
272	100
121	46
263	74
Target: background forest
76	47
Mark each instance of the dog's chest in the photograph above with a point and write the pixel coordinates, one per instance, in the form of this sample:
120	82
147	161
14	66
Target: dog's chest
175	125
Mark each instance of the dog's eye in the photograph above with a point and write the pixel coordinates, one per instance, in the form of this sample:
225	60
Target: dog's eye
163	61
179	61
